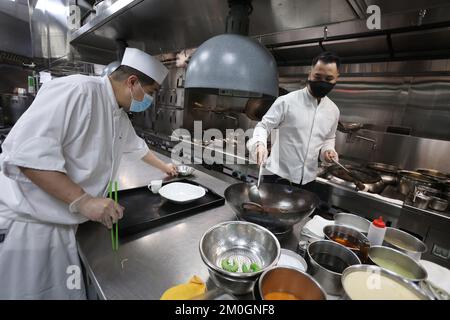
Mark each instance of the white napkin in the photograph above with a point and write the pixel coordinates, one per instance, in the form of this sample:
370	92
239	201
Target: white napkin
439	276
374	195
315	226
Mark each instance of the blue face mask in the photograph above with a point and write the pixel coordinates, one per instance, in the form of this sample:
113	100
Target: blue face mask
140	106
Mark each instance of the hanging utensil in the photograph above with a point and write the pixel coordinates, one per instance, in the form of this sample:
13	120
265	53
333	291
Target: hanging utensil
254	193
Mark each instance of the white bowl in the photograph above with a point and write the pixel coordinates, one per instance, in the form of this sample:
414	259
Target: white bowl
180	192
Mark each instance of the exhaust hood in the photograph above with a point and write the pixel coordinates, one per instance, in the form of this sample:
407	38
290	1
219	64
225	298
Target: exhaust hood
232	63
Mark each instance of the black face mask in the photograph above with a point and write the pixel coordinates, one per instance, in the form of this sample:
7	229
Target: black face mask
320	89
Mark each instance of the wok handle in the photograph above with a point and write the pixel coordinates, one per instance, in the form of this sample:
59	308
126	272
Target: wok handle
252	206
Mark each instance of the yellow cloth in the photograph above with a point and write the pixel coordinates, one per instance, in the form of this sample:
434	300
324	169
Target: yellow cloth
193	288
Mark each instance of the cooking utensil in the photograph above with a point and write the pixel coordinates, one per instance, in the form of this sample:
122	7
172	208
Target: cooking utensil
397	262
115	227
349	127
356	180
326	261
352	221
254	189
290	281
404	242
350	238
370	179
387	172
438	204
360	289
180	192
421	201
281	206
244	243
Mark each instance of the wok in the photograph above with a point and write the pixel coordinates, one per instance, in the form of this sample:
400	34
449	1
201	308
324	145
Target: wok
370	179
349	127
281	206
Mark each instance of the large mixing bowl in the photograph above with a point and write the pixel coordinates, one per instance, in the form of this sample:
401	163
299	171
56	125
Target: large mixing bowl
365	282
241	242
277	207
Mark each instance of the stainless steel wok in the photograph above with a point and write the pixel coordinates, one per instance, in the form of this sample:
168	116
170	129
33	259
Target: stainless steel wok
280	208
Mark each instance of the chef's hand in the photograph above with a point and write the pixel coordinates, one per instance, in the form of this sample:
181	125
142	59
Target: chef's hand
261	154
329	155
170	169
103	210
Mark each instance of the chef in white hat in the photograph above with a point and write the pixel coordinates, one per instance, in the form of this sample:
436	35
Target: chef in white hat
55	167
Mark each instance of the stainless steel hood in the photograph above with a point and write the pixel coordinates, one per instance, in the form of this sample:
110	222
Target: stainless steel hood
294	30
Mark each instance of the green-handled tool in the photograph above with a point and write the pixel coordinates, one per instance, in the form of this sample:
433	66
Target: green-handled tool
115	227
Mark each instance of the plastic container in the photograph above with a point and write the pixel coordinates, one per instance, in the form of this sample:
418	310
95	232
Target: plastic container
376	233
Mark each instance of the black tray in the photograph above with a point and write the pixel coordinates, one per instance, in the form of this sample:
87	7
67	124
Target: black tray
144	209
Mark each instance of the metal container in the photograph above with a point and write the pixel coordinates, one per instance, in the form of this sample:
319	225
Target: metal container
326	262
404	242
398	260
421	201
377	271
352	221
184	170
409	180
350	238
239	241
290	280
438	204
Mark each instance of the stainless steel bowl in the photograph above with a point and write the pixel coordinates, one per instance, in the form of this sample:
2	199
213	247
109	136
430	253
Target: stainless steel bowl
327	260
290	280
350	238
404	242
393	260
352	221
243	242
184	170
377	271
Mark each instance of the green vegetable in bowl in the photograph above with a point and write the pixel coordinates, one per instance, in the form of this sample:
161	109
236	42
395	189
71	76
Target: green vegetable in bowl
227	266
253	268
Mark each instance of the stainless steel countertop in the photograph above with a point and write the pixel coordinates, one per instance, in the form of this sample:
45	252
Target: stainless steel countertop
149	263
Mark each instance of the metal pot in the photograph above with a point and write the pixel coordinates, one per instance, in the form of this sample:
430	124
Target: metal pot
438	204
327	260
409	179
353	221
371	180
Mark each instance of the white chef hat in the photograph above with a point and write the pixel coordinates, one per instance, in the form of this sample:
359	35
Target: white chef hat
145	63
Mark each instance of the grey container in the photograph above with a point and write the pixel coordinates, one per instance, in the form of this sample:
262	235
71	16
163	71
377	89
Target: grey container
326	262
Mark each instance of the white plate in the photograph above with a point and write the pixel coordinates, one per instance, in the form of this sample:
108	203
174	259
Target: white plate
289	258
180	192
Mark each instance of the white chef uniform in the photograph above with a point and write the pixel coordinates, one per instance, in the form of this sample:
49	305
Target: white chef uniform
74	126
305	130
